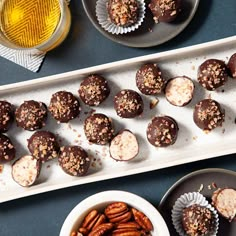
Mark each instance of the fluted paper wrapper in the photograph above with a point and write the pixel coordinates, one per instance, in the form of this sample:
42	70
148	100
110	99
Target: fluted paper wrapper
187	200
105	22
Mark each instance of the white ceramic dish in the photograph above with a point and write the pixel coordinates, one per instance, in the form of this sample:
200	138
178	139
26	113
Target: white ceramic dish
100	200
192	144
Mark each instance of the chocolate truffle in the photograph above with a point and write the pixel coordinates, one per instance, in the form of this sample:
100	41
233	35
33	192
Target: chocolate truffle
74	160
149	79
165	10
162	131
179	91
123	12
232	66
128	104
98	129
94	90
208	114
43	145
64	106
212	74
31	115
6	116
7	150
197	220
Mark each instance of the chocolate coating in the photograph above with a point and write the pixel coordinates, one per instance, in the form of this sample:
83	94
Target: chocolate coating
6	116
64	106
208	114
212	74
94	90
232	66
149	79
162	131
123	12
43	145
98	129
128	103
74	160
197	220
165	10
7	149
31	115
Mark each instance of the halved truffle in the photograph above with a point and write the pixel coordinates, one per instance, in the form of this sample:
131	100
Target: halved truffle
7	149
31	115
232	66
6	116
124	146
98	129
43	145
128	103
123	12
94	90
149	79
179	91
162	131
26	170
208	114
64	106
74	160
212	74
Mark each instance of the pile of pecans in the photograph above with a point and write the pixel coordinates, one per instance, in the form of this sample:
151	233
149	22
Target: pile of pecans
118	219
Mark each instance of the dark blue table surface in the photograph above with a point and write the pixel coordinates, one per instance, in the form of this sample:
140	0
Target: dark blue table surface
44	214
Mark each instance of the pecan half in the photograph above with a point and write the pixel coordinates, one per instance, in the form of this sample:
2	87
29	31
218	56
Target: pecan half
115	208
100	220
101	230
142	220
125	217
83	231
90	219
128	225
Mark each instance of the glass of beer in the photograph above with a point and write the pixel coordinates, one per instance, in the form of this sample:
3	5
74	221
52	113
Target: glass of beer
33	24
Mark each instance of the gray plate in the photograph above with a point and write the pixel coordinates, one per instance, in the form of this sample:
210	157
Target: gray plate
148	34
192	182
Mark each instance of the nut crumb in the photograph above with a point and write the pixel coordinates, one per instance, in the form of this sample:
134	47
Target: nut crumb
153	103
150	30
1	169
213	185
193	67
201	188
195	137
209	187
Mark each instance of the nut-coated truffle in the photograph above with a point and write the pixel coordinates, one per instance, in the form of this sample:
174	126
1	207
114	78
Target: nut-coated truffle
7	149
128	104
197	220
94	90
208	114
43	145
6	116
149	79
162	131
31	115
64	106
232	66
165	10
74	160
212	74
123	12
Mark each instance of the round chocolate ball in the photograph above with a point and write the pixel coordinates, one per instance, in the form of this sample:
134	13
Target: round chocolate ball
165	11
197	220
149	79
64	106
98	129
74	160
7	149
212	74
128	104
94	90
6	116
43	145
232	66
162	131
31	115
123	12
208	114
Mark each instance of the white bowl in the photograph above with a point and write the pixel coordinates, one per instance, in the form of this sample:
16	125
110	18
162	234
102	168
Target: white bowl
100	200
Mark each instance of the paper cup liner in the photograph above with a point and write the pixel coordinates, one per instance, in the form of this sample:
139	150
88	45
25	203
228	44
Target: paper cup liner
187	200
105	22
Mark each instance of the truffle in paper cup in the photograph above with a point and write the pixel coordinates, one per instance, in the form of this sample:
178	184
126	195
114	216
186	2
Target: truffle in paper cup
189	199
108	25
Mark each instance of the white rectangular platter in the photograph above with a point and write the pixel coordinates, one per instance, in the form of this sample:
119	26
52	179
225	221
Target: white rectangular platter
192	143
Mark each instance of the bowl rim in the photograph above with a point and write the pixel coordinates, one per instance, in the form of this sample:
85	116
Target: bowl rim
112	196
